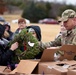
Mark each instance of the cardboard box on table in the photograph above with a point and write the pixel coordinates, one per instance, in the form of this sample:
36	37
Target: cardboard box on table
62	67
46	67
69	53
30	66
58	68
47	64
24	67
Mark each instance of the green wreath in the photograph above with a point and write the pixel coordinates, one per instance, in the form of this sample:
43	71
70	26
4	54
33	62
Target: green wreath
32	46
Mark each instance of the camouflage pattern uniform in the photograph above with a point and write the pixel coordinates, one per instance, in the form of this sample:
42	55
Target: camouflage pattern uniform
69	37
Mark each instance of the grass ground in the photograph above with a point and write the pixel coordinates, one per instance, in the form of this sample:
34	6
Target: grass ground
48	31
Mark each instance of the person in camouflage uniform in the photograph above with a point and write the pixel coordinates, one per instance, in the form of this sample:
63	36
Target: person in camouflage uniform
69	37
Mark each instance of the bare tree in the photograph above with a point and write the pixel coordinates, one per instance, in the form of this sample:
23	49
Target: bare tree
2	7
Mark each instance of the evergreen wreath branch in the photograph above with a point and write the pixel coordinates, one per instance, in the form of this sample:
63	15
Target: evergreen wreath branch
31	51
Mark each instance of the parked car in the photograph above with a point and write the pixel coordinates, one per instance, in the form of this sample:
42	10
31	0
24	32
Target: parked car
48	21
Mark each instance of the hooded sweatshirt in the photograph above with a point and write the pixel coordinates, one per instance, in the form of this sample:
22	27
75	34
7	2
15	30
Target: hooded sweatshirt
3	41
37	30
38	33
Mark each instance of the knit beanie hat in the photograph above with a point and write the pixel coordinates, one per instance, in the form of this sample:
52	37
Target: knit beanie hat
37	30
2	29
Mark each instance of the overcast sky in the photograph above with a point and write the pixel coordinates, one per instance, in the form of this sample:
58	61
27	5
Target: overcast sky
67	1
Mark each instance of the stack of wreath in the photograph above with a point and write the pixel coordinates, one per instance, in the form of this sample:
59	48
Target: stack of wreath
31	43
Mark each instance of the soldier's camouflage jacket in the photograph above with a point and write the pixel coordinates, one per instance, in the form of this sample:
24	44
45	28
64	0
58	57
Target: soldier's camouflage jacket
69	38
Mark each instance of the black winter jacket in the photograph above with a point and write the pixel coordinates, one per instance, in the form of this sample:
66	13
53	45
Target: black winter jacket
5	55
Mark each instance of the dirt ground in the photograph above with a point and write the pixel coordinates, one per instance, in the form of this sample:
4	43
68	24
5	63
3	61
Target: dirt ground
48	31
